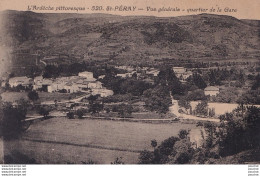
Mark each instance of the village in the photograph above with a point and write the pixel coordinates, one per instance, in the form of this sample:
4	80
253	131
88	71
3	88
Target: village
85	85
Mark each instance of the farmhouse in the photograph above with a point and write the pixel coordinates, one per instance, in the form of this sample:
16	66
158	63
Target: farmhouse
211	91
23	81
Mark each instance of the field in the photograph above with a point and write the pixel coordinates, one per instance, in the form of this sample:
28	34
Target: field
60	140
43	96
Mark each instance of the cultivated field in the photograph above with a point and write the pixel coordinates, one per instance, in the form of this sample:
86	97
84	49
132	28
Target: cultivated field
60	140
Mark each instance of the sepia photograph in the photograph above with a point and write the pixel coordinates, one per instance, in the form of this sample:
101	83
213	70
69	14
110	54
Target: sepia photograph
151	85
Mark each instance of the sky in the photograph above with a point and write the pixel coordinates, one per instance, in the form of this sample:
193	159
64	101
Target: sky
244	9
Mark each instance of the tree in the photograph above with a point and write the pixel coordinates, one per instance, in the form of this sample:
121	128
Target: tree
80	113
12	122
212	112
167	78
239	130
118	160
33	95
70	115
124	110
154	143
202	108
183	134
198	81
95	107
250	97
158	99
146	157
184	103
44	111
51	71
92	98
196	95
161	154
183	152
210	130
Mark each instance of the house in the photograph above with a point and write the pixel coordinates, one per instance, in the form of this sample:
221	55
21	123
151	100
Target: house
56	86
211	91
102	92
23	81
179	71
87	75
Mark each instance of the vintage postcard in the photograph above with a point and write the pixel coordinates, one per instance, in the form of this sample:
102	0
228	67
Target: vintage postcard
130	82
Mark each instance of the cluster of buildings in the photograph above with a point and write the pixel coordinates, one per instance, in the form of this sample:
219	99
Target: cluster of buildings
182	74
84	82
22	81
138	71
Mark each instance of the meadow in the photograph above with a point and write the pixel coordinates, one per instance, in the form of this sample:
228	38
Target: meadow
62	140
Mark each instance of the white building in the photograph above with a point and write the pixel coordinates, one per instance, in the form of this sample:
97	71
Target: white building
179	71
211	91
23	81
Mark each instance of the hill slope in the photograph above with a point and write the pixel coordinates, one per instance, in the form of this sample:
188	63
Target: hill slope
99	36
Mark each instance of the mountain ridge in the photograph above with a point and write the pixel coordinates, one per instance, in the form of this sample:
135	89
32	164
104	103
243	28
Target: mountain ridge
98	36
